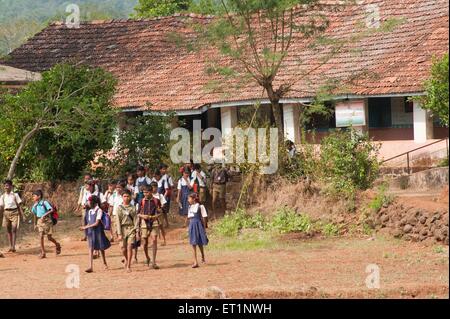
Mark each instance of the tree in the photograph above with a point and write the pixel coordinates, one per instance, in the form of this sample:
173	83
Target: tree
255	38
436	89
144	140
70	102
156	8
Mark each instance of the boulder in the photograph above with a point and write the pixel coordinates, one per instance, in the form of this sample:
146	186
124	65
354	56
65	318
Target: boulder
407	229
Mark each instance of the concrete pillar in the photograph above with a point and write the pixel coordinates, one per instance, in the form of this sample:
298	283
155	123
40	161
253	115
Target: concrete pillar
423	124
291	122
228	117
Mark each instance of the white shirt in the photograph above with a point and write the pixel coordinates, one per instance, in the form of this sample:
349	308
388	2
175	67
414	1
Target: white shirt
169	179
118	200
201	179
87	194
97	211
161	198
182	182
8	201
139	180
82	191
108	197
161	183
193	209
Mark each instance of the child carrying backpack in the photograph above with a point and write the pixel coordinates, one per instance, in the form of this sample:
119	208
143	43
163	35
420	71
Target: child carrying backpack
97	221
45	217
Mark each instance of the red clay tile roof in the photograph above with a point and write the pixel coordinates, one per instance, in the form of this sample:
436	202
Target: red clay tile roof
153	69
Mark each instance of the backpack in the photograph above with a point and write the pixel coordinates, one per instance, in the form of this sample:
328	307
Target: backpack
54	216
106	221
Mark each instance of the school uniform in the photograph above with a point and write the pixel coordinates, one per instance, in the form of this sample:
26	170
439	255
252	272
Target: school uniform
82	191
150	207
127	224
138	191
44	225
169	182
10	203
197	233
198	183
183	188
96	237
85	201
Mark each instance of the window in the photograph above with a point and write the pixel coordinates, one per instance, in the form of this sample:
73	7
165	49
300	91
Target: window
409	106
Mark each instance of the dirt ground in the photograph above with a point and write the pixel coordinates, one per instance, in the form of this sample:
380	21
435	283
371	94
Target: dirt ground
315	268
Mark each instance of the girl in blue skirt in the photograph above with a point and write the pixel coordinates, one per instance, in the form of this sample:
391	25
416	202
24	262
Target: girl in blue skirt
184	188
198	223
95	232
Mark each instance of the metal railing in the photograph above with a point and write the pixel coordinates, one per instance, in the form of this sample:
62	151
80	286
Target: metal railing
408	157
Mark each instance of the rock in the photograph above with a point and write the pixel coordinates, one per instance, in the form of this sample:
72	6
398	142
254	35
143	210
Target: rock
438	235
408	228
384	218
423	219
446	240
424	232
411	221
429	241
403	222
422	237
397	233
445	219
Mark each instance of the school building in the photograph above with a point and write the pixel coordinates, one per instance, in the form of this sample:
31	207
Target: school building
376	74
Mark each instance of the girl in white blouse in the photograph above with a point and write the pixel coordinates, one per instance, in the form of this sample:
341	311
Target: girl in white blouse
197	217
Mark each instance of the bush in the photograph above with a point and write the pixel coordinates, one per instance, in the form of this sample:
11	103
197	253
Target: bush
348	162
380	200
286	220
231	224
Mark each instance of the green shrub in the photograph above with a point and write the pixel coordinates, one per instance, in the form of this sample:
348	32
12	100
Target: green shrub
330	229
287	220
348	162
231	224
381	199
443	162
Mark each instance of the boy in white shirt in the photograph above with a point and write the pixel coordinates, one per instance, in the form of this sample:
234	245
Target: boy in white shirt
12	213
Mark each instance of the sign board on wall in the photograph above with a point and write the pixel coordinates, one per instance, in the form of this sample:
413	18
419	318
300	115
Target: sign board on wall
350	113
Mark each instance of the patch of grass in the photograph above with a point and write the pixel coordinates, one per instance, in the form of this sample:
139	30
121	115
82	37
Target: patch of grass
255	240
438	249
330	229
381	199
443	162
286	220
232	223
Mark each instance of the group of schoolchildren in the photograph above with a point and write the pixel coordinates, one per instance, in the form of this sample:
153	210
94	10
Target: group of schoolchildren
133	211
138	209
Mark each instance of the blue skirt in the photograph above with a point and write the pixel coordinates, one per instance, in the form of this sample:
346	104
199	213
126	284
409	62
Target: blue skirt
97	239
197	234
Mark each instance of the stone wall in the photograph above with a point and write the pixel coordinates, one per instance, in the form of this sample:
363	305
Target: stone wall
413	224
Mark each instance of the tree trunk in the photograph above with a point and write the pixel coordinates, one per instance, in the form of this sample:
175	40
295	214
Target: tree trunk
277	113
23	144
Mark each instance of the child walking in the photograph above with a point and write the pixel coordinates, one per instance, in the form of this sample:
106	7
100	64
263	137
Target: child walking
163	168
197	217
43	221
127	224
162	188
95	232
12	213
149	213
108	199
184	188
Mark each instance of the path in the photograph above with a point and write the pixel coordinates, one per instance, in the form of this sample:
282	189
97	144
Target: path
316	268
